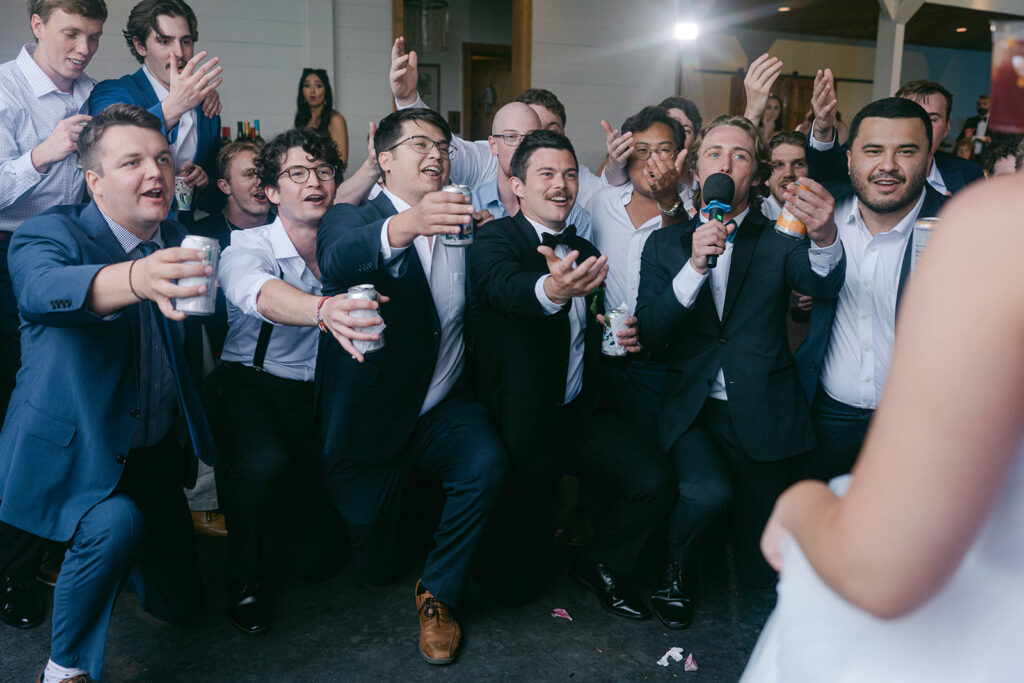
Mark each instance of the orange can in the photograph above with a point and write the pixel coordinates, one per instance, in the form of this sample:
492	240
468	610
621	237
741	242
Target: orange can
788	224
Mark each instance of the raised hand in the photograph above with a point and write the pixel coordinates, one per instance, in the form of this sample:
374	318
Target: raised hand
189	87
211	105
663	178
814	206
619	146
758	82
404	74
569	279
437	213
60	143
824	104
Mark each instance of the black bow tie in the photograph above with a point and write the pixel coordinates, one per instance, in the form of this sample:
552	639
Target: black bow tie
554	239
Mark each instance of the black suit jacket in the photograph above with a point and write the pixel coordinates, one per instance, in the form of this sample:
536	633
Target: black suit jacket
749	343
366	411
521	352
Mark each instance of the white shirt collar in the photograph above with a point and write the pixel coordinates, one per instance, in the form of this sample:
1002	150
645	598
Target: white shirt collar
40	83
540	228
903	227
280	243
399	203
935	179
158	87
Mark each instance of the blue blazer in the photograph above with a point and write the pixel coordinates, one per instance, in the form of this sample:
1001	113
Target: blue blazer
136	89
75	408
366	411
811	354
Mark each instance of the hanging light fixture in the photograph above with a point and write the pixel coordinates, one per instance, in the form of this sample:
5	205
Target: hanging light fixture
426	25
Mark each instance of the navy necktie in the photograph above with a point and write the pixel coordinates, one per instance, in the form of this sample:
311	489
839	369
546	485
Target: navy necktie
554	239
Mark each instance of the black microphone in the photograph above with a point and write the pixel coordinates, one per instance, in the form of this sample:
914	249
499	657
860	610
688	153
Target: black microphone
717	194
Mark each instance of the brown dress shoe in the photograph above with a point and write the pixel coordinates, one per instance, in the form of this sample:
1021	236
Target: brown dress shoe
439	632
209	523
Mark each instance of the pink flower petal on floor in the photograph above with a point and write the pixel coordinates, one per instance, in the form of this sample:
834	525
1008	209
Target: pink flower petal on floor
690	664
560	613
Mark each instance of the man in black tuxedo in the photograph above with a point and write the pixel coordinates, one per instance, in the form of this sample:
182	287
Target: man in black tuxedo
407	408
733	416
536	348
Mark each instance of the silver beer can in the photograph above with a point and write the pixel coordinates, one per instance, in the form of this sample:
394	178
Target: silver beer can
614	322
204	304
369	293
465	237
923	228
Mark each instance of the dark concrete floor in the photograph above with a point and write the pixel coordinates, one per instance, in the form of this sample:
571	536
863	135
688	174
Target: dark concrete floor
343	629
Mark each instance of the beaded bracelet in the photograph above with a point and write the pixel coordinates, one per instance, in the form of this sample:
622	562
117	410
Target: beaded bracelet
319	320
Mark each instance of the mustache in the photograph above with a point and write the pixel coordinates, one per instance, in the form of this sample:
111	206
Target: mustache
895	175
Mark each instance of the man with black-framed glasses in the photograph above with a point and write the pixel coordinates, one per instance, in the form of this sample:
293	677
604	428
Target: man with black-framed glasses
261	396
408	408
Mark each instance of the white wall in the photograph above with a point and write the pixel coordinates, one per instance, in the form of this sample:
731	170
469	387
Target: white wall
604	60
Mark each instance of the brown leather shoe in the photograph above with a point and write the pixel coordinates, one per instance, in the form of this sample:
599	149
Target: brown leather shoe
439	632
209	523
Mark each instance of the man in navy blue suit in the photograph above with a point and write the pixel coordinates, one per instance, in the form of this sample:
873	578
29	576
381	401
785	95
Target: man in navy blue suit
407	407
161	34
94	451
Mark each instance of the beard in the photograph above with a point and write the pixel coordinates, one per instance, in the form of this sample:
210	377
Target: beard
909	193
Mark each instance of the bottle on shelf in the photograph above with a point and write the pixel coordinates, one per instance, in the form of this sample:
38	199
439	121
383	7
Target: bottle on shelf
241	133
257	137
225	135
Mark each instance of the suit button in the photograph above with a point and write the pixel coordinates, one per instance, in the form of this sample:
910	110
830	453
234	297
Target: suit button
135	412
436	334
722	340
121	458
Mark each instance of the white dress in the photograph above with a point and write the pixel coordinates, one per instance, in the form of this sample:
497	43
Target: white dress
973	630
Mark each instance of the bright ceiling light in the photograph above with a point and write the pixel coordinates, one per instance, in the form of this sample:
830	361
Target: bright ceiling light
783	8
686	31
962	29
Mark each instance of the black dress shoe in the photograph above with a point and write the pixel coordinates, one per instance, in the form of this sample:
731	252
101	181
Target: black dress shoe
672	601
21	606
249	608
608	588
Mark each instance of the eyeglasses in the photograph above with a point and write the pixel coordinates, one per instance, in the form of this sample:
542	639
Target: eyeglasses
511	139
643	153
421	145
299	174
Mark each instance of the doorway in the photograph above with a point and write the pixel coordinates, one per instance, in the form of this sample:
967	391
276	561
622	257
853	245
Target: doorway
486	85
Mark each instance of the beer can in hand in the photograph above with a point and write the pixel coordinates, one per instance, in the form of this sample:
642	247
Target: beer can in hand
788	224
464	237
368	292
923	228
182	194
204	304
614	322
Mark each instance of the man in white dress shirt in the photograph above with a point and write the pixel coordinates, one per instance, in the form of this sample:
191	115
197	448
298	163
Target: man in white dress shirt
43	107
262	407
844	362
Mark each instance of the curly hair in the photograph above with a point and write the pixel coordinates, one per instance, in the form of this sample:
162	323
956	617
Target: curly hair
314	143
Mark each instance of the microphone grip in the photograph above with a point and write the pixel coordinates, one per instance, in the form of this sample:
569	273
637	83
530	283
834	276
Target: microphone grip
716	215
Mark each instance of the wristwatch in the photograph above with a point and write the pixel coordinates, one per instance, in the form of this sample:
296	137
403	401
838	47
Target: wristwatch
676	209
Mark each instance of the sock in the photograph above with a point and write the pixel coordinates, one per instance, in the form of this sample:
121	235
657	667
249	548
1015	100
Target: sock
55	673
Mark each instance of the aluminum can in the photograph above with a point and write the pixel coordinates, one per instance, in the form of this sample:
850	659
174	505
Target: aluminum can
614	322
465	237
203	304
922	233
368	292
182	194
788	224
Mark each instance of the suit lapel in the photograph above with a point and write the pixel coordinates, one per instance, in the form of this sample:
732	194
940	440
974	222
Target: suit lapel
933	201
96	227
529	239
742	253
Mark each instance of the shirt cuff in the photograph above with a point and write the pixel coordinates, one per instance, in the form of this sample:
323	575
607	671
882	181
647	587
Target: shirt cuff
250	305
686	284
549	306
418	104
824	259
818	144
23	169
388	252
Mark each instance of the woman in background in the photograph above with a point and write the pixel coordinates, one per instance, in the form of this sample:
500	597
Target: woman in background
316	109
771	118
912	569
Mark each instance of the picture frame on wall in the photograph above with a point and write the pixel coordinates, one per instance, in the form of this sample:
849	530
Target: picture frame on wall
429	85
